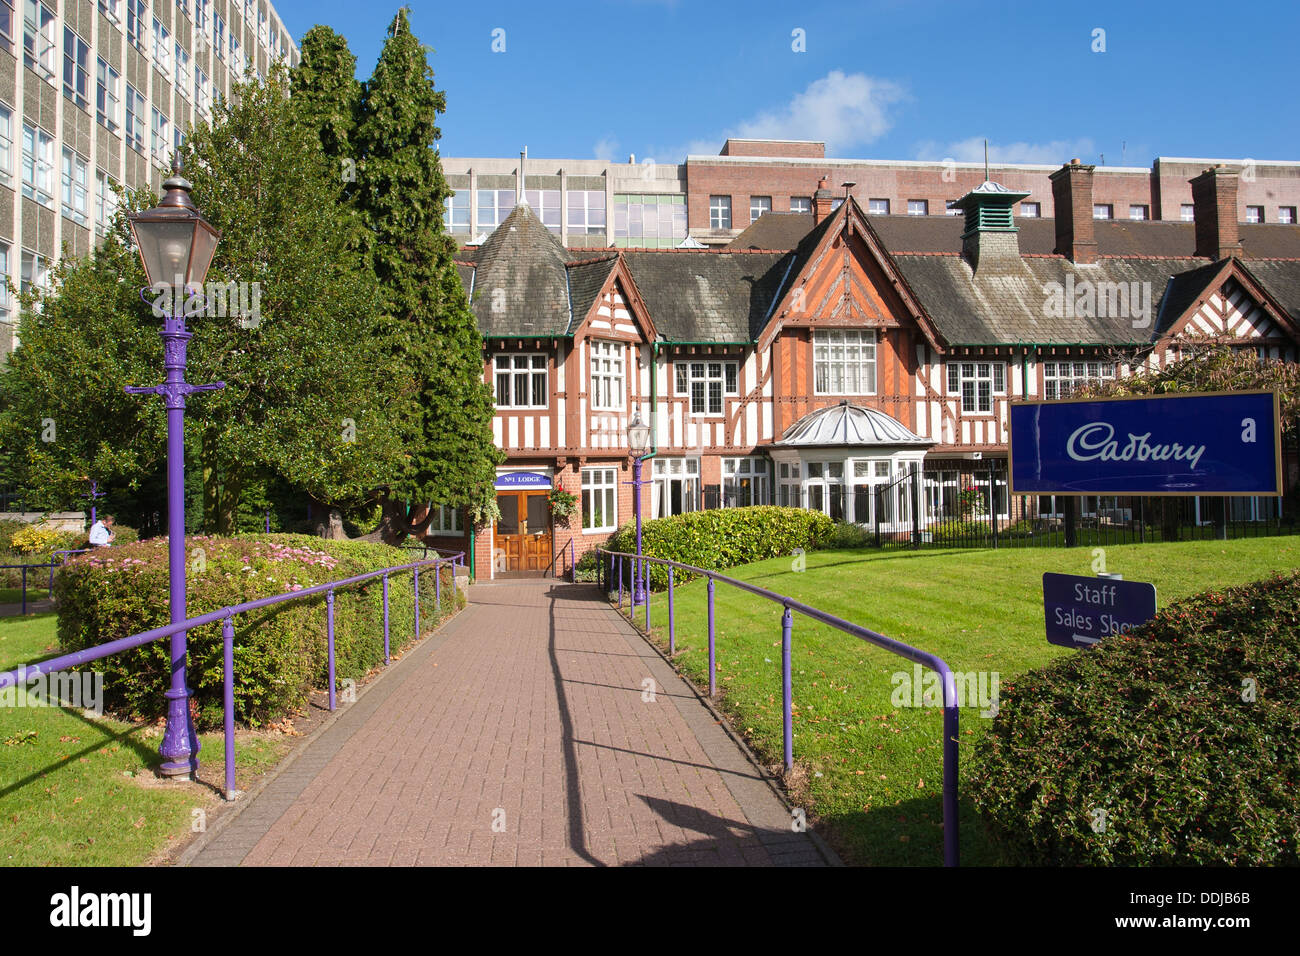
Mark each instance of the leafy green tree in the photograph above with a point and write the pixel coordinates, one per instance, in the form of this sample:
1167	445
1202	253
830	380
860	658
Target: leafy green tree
310	399
400	194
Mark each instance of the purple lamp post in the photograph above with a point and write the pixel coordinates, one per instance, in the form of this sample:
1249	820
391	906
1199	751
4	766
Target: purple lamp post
638	443
176	246
93	494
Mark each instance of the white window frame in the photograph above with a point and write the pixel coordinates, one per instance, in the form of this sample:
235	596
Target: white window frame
545	204
757	470
40	44
719	212
669	471
1103	210
706	402
1138	212
160	141
76	68
446	520
803	204
162	48
453	208
1061	378
608	366
105	202
1286	215
219	36
1187	212
35	272
6	144
918	207
76	186
38	165
133	126
183	71
974	374
7	26
858	357
1254	214
5	315
587	213
877	207
1031	210
112	10
135	24
503	200
108	99
202	98
758	205
523	370
599	500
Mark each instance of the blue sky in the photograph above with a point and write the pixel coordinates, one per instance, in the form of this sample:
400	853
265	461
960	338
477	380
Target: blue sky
886	79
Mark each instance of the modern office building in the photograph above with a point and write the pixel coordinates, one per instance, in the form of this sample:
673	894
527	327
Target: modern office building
96	93
710	200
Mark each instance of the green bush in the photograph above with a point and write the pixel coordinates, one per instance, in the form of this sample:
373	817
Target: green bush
722	538
1175	745
846	534
280	651
955	532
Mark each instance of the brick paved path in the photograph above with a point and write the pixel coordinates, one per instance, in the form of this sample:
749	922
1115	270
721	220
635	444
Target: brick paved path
519	736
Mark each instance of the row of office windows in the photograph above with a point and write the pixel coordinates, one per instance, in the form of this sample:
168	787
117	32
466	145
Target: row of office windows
35	274
675	484
844	363
38	174
655	220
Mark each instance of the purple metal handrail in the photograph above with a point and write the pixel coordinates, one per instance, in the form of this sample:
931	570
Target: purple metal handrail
226	616
50	564
950	710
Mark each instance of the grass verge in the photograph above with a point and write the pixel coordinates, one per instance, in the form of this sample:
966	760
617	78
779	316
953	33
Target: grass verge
870	772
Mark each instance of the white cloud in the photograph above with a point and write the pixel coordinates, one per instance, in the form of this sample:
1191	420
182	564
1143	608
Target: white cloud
971	150
842	110
605	149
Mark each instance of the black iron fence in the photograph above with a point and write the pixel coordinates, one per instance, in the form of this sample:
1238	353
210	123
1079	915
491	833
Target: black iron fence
967	503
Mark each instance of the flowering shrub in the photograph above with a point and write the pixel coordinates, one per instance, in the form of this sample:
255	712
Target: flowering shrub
1177	744
34	540
280	651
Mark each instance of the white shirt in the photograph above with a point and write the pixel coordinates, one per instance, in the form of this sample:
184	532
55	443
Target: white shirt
99	535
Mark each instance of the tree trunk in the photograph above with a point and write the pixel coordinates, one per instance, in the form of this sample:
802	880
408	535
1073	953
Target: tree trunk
228	504
330	525
397	521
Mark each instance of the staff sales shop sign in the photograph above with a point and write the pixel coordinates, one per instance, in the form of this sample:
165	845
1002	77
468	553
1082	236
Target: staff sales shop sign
1081	611
1208	443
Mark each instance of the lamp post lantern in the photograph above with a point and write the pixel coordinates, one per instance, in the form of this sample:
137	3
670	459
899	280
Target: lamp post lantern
638	443
176	246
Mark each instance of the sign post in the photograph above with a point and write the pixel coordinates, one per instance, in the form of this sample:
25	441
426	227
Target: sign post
1081	611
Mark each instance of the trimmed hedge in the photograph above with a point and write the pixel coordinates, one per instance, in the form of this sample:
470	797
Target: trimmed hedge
280	651
722	538
1175	745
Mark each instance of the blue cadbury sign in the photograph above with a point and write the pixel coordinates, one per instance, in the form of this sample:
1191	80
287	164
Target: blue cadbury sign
1081	611
1192	444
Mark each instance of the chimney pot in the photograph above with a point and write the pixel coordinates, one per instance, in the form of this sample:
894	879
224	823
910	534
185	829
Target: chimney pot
823	200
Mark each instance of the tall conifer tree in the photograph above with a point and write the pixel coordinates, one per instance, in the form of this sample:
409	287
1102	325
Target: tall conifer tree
400	193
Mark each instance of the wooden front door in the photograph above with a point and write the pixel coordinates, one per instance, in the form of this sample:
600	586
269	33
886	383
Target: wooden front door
523	532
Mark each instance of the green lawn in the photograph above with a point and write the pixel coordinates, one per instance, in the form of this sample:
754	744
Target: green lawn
76	790
870	773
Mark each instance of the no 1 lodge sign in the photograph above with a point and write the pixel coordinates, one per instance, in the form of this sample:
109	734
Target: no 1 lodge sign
1226	443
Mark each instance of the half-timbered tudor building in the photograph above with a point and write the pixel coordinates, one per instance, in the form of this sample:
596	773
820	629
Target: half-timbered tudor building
822	356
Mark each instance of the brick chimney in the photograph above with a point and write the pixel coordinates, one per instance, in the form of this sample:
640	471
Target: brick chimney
1072	197
1214	201
823	199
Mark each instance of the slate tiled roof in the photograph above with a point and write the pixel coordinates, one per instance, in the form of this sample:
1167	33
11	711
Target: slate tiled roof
707	296
727	295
